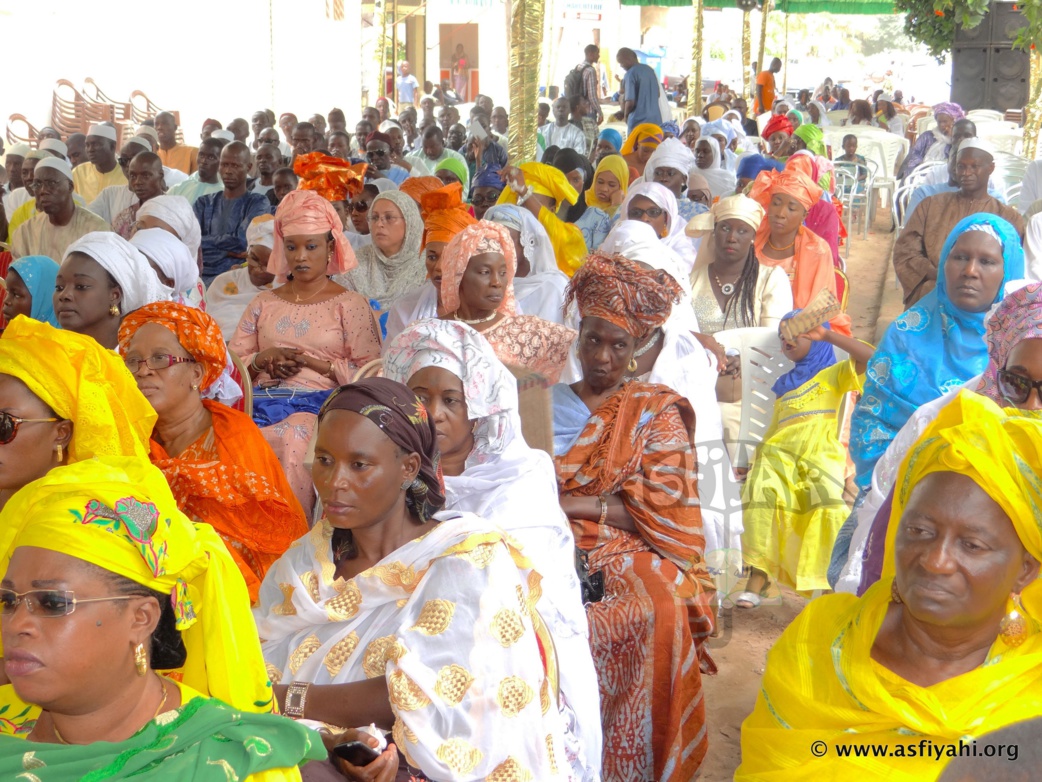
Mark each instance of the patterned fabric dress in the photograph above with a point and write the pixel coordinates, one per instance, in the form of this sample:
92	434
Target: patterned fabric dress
533	343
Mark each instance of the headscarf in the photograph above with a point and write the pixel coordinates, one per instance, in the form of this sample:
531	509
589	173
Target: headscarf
812	136
699	184
671	127
387	278
261	232
779	122
444	214
823	115
383	184
792	183
544	180
197	332
481	237
332	178
566	161
118	513
303	212
616	166
402	417
170	254
671	153
736	207
820	356
750	166
953	110
458	168
488	176
38	272
721	181
175	211
82	382
675	239
541	292
612	136
1018	317
416	186
644	135
619	291
128	267
929	349
719	127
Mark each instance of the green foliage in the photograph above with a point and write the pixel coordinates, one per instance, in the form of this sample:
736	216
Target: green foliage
933	22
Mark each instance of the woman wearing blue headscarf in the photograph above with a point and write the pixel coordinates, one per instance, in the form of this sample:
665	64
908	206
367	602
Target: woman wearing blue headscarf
609	142
938	344
30	289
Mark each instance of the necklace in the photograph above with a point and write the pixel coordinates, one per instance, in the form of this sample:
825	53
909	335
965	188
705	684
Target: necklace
477	321
726	288
779	249
649	344
297	298
158	711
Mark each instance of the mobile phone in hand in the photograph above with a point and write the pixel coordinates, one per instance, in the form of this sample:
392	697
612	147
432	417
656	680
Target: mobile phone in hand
356	753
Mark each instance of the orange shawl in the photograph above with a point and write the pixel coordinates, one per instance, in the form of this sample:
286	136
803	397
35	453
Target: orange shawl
238	487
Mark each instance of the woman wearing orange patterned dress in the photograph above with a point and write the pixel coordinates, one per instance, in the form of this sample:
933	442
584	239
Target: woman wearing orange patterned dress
215	459
626	471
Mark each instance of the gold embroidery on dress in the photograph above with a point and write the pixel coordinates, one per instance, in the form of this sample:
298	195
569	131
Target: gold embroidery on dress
345	605
550	753
507	627
322	539
453	683
435	617
342	649
513	695
307	647
310	581
286	608
274	674
480	556
405	693
378	653
394	575
544	695
403	736
30	762
510	771
459	755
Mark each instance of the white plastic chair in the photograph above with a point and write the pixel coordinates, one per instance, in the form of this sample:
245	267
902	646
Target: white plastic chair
1001	138
925	124
853	190
984	114
888	152
836	117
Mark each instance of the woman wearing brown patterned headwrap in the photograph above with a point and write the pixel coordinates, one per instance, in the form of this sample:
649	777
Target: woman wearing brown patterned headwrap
392	613
626	471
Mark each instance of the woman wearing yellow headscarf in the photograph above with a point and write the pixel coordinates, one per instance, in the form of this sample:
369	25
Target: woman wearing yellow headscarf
640	143
611	179
108	584
946	647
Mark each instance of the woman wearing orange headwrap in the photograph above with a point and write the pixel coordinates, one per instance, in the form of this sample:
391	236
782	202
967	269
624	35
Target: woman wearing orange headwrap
444	215
215	459
416	186
782	239
639	145
334	179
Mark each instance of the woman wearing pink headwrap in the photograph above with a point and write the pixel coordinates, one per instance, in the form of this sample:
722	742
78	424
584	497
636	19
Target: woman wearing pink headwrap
306	337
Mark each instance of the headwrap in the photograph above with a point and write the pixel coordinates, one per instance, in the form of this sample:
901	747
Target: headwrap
644	135
953	110
823	115
929	349
1017	318
795	116
612	136
175	211
791	183
750	166
377	135
535	242
636	241
488	176
616	166
779	122
303	212
170	254
671	153
671	127
1000	451
544	180
416	186
403	418
699	184
128	267
675	237
812	137
118	514
383	184
456	167
444	214
736	207
481	237
38	272
197	332
719	127
820	356
619	291
261	232
721	181
332	178
388	278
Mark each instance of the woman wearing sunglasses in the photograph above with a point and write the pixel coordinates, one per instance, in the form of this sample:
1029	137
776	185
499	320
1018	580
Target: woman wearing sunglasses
654	204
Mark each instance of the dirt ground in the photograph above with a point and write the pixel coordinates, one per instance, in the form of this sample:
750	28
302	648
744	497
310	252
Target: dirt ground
747	635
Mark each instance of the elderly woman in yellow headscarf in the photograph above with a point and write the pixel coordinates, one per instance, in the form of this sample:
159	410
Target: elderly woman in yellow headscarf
640	143
946	646
109	584
542	189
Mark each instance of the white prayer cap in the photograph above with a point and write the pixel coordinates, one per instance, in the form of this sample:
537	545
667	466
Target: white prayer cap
227	135
149	132
53	145
18	150
57	164
102	130
141	141
386	125
976	143
261	232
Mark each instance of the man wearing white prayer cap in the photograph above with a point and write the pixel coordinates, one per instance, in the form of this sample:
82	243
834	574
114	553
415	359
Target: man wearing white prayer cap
180	156
917	250
22	204
101	169
59	221
55	146
13	165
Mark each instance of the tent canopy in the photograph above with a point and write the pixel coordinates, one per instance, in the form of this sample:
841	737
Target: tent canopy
790	6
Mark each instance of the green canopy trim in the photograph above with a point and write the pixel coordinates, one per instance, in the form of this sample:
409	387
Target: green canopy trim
790	6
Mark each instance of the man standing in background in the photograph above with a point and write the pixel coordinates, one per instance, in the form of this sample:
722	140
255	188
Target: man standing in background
640	91
765	88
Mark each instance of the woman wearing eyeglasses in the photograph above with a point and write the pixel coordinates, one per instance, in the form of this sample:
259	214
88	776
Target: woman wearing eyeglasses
219	467
654	204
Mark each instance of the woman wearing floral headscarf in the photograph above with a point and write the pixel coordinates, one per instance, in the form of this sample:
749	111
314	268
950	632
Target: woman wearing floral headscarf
216	461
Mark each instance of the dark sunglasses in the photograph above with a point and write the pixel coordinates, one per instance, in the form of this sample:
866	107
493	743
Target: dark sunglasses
1017	388
654	212
9	425
359	206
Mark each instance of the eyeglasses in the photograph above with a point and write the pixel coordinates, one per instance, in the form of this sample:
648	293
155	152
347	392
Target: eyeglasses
47	184
484	200
375	219
1017	388
377	152
156	362
654	212
9	425
48	603
359	206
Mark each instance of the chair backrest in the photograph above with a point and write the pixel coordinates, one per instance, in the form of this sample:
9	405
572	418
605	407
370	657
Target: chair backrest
923	170
1002	139
983	114
925	123
21	131
836	117
242	377
888	152
374	368
92	92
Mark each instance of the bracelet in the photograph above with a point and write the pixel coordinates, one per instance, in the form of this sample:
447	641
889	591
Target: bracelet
604	509
253	364
296	699
524	195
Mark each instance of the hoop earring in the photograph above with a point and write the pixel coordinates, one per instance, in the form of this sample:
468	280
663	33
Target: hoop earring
60	452
114	311
632	366
140	660
1013	629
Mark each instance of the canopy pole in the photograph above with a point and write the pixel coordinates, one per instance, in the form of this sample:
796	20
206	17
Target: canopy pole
1033	110
694	81
785	55
394	52
381	41
526	46
760	64
747	54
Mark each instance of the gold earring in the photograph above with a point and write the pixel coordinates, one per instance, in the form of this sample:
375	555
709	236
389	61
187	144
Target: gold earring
1013	629
114	311
195	387
632	365
140	660
60	451
895	596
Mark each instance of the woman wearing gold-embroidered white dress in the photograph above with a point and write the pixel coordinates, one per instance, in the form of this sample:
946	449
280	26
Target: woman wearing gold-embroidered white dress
386	613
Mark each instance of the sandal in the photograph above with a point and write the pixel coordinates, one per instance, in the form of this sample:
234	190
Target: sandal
748	600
